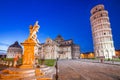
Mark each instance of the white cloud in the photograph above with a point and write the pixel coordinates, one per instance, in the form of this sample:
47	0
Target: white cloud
3	47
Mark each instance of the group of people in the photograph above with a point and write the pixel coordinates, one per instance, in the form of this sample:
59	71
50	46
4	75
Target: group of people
11	62
16	58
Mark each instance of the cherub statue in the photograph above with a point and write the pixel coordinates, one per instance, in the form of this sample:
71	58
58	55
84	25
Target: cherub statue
33	31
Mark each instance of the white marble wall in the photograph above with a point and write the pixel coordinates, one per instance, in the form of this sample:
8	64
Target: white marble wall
101	32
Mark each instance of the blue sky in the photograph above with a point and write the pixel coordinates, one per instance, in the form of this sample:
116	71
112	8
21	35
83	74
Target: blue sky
70	18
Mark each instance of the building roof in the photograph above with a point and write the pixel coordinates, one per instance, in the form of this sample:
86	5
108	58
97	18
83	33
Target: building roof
87	53
117	50
16	44
59	37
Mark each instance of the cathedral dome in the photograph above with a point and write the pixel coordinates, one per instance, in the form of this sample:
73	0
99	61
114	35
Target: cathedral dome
14	49
59	38
16	45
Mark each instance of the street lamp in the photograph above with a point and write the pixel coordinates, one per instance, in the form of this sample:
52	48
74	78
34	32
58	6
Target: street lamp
56	66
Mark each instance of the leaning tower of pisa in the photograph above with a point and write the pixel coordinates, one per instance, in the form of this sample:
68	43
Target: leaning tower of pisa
101	32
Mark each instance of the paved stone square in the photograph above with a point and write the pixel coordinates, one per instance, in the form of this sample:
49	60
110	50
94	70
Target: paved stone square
81	70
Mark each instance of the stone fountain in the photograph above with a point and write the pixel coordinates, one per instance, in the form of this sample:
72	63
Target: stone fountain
26	71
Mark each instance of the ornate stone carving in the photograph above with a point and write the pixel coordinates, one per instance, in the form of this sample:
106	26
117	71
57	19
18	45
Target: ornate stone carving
33	31
29	47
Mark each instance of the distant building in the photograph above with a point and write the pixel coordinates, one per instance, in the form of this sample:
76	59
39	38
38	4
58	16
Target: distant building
14	50
117	53
59	48
3	54
101	32
87	55
75	51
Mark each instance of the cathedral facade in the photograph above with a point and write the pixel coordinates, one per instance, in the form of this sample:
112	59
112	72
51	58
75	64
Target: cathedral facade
59	48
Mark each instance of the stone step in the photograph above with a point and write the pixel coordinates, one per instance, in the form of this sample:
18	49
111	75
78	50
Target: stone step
18	71
27	74
7	76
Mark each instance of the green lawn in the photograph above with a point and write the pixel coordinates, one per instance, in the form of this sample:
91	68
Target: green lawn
48	62
117	59
8	59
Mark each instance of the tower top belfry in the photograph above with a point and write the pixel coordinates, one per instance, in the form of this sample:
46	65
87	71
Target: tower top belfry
97	8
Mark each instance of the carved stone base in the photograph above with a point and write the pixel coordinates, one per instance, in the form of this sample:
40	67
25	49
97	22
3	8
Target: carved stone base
22	74
26	67
16	73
